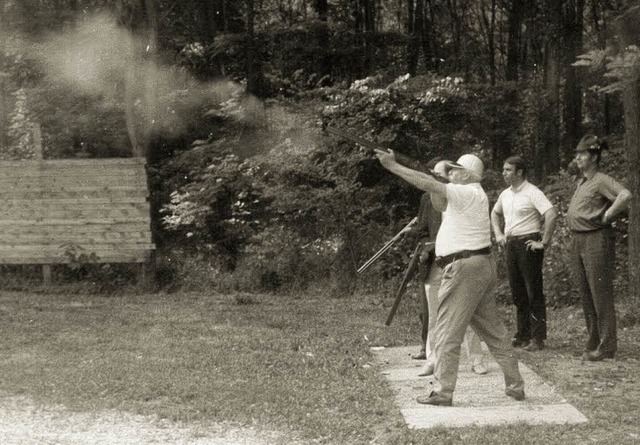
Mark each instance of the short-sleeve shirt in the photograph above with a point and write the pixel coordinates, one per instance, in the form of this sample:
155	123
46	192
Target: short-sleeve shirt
522	209
465	222
590	201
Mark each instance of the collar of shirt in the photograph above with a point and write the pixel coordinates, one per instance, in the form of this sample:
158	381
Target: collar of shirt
520	187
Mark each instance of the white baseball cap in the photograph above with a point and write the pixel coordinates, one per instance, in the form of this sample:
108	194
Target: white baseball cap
471	163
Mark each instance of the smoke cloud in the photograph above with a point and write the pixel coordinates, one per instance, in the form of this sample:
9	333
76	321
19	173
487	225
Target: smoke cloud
101	59
96	57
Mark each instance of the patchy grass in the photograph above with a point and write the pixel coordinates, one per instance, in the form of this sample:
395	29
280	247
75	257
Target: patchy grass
295	364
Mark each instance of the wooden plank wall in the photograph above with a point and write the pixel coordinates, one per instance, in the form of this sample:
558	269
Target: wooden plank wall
51	208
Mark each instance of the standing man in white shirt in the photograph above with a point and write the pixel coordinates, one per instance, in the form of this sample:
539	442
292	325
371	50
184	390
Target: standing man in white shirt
522	207
466	296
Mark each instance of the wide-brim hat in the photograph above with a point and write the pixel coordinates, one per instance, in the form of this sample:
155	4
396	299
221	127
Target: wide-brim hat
589	142
471	163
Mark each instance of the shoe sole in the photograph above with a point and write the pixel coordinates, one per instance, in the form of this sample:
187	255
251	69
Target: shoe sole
519	397
439	403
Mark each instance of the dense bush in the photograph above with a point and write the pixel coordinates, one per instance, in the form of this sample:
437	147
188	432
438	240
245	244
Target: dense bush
301	205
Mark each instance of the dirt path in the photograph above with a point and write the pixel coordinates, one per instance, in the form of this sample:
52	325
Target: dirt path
22	422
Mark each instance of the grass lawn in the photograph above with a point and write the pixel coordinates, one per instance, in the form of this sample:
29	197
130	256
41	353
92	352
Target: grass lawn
298	365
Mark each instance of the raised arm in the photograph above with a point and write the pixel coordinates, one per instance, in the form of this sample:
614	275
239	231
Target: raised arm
418	179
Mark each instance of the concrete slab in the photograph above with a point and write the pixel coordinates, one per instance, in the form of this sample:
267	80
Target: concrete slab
478	400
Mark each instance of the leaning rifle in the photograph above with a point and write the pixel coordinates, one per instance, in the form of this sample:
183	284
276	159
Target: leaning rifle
408	275
386	247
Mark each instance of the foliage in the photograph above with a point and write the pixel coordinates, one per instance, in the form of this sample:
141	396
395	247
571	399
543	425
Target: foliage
617	68
301	205
20	130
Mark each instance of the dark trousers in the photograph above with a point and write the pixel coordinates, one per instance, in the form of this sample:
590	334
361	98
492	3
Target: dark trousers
592	264
524	268
423	276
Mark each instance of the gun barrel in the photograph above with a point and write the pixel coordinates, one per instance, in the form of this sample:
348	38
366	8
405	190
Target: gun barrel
386	247
401	158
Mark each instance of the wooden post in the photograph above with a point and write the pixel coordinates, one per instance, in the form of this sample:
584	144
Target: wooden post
37	142
46	274
147	274
37	155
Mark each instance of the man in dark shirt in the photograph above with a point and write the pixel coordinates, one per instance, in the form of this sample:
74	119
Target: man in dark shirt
424	231
597	200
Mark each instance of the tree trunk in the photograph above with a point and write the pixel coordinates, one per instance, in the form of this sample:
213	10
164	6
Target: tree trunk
549	120
632	147
141	19
370	29
207	19
426	38
631	103
488	26
416	21
572	116
322	9
492	44
430	44
255	81
514	27
456	15
225	19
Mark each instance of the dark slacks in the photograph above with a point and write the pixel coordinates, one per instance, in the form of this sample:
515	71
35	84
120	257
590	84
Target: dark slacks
592	264
524	269
424	269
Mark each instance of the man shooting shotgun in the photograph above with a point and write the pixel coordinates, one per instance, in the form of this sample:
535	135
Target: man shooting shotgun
423	228
463	251
400	158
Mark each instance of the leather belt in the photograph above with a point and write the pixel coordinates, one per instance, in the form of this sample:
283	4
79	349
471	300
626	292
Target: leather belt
443	261
527	237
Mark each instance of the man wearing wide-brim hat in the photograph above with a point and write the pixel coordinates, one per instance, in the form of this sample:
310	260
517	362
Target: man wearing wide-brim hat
597	200
466	296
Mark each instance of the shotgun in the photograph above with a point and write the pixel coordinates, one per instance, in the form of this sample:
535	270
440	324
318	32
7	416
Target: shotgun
400	158
386	247
408	275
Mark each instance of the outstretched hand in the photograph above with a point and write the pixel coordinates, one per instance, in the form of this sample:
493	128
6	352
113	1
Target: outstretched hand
386	158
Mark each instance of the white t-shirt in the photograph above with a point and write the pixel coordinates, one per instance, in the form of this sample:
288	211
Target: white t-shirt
465	223
522	209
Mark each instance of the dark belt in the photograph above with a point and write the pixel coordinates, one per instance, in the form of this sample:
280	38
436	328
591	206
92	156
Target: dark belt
586	232
527	237
443	261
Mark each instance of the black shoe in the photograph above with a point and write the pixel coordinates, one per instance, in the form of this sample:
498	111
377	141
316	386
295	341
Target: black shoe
422	355
535	345
517	343
515	393
435	398
596	356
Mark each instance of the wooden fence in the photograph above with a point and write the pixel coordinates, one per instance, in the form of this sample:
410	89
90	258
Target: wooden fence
61	211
